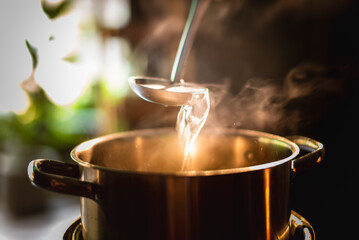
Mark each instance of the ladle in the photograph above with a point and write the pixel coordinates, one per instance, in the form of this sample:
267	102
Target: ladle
172	92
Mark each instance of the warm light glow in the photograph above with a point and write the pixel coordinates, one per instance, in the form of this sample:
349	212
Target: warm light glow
193	150
139	153
185	89
85	146
273	141
154	86
190	121
239	145
267	201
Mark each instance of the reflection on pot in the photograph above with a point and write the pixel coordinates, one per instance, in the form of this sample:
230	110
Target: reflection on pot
129	190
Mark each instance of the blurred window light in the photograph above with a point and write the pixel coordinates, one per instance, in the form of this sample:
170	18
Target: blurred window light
70	50
117	67
56	39
113	14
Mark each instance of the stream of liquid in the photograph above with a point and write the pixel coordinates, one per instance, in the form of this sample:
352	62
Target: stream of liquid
190	121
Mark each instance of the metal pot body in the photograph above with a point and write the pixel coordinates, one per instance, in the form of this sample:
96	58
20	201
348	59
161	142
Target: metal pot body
238	189
251	205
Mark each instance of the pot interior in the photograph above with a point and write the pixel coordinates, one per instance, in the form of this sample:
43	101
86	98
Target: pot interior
158	151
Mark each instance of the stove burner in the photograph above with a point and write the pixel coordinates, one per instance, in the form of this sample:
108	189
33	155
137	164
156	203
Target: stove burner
296	229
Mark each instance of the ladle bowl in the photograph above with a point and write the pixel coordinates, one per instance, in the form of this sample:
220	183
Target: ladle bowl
170	92
162	91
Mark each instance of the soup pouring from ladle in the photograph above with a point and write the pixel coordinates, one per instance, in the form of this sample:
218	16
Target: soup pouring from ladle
172	92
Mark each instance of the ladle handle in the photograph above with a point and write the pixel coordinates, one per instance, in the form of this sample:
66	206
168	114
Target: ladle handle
61	177
298	223
311	153
196	12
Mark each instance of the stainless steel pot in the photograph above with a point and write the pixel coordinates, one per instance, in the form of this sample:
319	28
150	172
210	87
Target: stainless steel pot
132	187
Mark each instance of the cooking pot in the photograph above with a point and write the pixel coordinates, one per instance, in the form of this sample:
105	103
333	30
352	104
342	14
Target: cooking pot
132	185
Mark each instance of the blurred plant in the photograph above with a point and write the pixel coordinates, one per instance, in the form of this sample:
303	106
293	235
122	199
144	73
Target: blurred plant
43	123
56	9
92	73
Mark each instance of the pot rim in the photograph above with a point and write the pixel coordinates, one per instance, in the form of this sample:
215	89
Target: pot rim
262	136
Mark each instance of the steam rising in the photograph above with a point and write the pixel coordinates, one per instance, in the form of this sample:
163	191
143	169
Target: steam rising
280	107
238	40
191	118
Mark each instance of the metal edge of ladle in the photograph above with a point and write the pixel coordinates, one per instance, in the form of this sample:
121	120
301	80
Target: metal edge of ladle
164	95
196	12
145	88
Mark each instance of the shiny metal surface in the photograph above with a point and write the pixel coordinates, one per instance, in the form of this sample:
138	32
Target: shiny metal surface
132	186
219	151
297	223
162	91
171	92
196	12
229	206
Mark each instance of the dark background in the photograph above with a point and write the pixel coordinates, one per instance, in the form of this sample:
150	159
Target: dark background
296	60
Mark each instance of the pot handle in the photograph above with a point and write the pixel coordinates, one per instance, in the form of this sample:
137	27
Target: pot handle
61	177
313	153
296	223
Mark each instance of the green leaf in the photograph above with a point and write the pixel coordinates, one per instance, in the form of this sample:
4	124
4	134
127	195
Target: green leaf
33	53
71	58
54	10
